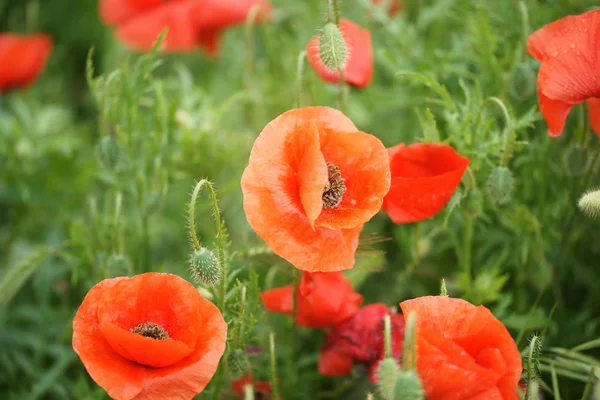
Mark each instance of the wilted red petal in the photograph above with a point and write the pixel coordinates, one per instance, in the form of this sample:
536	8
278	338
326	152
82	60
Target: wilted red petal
424	177
23	59
594	112
459	348
166	300
570	69
141	31
359	66
280	187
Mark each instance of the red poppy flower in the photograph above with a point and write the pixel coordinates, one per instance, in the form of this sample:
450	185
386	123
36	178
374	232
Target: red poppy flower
570	70
22	58
148	337
360	340
394	5
463	351
262	389
311	183
323	299
424	177
359	65
191	24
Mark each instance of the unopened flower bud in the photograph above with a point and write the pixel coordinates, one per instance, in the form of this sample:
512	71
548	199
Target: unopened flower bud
589	203
332	48
237	361
388	372
109	152
408	386
500	185
205	266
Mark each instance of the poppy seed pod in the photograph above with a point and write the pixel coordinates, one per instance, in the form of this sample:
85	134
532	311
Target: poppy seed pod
388	374
204	266
589	203
332	48
408	387
500	185
109	152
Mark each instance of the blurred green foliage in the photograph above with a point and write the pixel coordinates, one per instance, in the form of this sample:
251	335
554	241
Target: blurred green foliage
93	183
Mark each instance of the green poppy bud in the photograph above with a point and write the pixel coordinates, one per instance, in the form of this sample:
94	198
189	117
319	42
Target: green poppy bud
332	48
109	152
589	203
388	371
204	266
408	386
500	185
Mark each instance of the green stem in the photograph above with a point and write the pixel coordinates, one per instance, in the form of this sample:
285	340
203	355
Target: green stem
241	317
467	247
333	12
299	75
387	335
274	384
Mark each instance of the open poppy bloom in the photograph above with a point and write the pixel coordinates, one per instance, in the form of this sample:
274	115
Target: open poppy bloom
191	24
262	389
311	183
463	351
23	58
570	69
424	177
394	5
359	65
360	339
323	299
148	337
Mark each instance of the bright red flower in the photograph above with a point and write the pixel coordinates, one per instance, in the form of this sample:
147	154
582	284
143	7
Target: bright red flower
323	299
359	66
424	177
570	69
22	59
148	337
192	24
463	351
262	389
360	340
394	7
311	183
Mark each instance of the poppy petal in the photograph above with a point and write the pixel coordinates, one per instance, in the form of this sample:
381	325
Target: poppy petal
359	65
219	14
360	157
272	201
23	59
141	31
593	104
113	12
555	113
279	299
335	363
424	177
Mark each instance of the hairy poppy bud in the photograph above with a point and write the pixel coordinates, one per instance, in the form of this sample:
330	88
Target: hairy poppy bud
238	361
500	185
332	48
205	266
388	372
589	203
408	386
109	152
118	265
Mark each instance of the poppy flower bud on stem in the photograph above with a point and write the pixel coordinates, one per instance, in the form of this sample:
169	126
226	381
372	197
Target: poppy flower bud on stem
332	48
408	387
204	267
589	203
533	367
388	373
109	152
500	185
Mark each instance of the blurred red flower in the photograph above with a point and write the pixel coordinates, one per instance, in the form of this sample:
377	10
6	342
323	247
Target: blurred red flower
148	337
262	389
570	70
463	351
191	24
22	59
323	299
360	339
359	65
394	5
424	177
312	181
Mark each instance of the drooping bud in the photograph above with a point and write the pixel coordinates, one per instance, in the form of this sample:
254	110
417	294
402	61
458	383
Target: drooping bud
118	265
589	204
388	372
332	48
204	266
500	185
109	152
408	387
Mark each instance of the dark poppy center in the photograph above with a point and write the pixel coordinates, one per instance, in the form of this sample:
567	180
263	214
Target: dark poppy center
154	331
334	188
